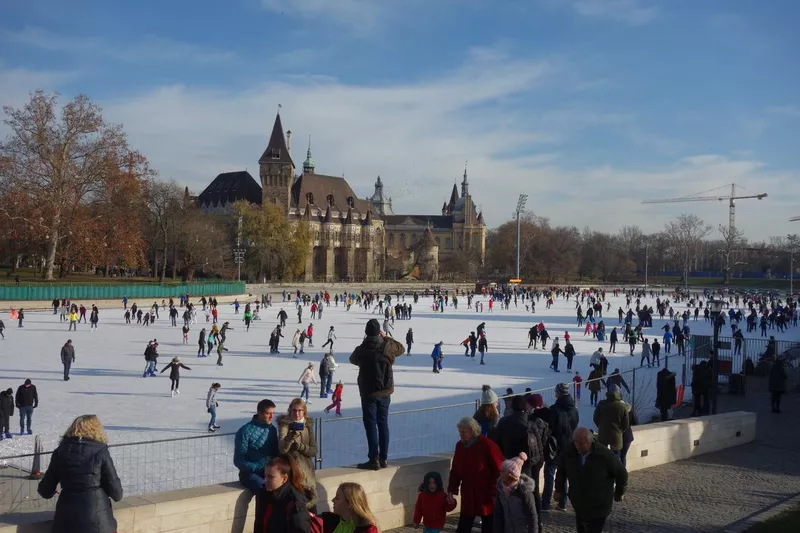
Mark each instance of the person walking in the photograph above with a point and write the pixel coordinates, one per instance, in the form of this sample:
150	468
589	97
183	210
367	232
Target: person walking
84	469
306	377
254	445
26	400
437	357
174	367
211	406
777	384
595	477
374	358
73	321
564	419
409	341
611	419
67	357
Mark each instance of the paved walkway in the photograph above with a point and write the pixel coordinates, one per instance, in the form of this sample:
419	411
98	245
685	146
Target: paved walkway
714	491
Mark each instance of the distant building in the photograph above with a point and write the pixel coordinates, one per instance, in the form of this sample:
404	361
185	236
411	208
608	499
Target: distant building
351	238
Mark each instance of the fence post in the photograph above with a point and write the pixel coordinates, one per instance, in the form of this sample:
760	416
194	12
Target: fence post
633	388
319	424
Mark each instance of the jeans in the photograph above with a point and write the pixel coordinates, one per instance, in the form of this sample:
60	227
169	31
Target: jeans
465	523
375	414
549	482
213	411
25	413
67	365
252	481
304	393
590	525
150	367
408	349
325	383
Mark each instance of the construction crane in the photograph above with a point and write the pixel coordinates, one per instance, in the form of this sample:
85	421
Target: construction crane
731	203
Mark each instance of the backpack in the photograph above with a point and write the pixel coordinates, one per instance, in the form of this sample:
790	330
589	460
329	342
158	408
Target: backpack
549	442
535	450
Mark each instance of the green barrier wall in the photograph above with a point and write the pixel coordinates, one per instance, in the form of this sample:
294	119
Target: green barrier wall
94	291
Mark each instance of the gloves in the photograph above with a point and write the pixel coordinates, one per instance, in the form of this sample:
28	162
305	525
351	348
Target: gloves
619	497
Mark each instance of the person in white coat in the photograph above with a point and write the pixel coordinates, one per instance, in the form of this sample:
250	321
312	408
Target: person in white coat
296	340
305	378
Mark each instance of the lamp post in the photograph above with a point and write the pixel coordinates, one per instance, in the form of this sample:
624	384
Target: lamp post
520	206
717	321
793	241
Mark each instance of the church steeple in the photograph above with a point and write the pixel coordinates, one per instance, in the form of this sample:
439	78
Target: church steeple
453	198
308	164
277	151
465	184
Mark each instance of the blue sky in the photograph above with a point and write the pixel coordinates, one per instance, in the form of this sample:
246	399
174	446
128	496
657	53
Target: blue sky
587	105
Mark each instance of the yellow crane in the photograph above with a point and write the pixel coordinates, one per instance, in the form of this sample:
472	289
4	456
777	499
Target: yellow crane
731	203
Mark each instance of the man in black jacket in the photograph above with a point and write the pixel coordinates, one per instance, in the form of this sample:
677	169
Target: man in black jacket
596	477
27	400
374	359
563	422
67	357
666	395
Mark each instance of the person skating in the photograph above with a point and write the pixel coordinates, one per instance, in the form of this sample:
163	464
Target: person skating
613	341
437	357
326	369
336	400
304	379
409	340
646	351
569	353
2	327
615	378
175	374
595	384
331	338
211	406
6	412
554	351
20	317
185	330
201	343
73	321
67	357
26	400
220	348
483	347
151	359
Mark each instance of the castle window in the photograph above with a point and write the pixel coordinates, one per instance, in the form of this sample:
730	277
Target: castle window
402	240
391	240
413	240
351	201
310	198
275	153
437	242
330	199
448	243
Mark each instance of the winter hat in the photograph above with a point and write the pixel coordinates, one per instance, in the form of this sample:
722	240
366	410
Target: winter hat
513	466
613	388
488	396
28	381
373	328
535	400
562	389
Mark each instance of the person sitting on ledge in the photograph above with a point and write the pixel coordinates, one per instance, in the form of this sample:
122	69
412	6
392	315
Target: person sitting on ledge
255	444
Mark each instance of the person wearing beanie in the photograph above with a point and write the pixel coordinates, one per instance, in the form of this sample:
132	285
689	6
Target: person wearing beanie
432	504
26	400
564	419
515	507
175	374
487	414
374	358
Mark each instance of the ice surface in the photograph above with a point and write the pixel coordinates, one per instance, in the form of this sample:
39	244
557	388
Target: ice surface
106	379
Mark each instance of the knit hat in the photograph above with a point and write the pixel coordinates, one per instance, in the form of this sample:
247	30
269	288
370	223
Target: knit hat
488	396
613	388
513	466
373	328
562	389
535	400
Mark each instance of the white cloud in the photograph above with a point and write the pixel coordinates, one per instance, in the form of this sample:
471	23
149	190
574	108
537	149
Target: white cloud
150	48
632	12
16	85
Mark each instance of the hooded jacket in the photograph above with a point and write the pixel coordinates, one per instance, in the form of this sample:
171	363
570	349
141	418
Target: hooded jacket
88	479
611	419
6	403
516	512
374	359
302	446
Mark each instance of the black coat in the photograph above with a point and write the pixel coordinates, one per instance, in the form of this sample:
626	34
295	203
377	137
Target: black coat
285	511
88	479
175	370
67	353
592	486
27	396
666	395
563	420
511	435
6	405
374	359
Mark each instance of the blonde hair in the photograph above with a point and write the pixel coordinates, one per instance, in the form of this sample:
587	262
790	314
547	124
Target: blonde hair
87	427
356	498
301	403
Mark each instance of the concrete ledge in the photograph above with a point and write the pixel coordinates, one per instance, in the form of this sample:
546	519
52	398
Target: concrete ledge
392	492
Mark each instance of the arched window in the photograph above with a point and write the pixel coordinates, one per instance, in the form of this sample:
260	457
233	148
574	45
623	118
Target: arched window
310	198
391	240
402	240
414	240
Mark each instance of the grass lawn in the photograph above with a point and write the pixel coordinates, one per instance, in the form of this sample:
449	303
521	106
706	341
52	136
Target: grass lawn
787	522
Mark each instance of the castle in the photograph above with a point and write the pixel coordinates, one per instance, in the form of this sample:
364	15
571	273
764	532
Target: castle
352	239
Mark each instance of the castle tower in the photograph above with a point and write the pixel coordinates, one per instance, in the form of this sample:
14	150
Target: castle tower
308	164
276	169
381	203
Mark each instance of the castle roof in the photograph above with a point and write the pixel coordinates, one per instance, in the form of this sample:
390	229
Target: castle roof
320	187
277	151
412	221
230	187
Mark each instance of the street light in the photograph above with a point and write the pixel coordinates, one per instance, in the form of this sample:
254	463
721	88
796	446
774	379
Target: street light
520	206
793	241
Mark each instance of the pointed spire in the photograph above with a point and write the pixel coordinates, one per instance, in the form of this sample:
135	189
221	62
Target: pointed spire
444	208
368	218
277	151
453	197
349	218
480	217
328	215
308	164
465	184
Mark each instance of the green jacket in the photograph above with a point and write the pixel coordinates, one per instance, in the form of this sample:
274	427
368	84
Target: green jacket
592	486
611	419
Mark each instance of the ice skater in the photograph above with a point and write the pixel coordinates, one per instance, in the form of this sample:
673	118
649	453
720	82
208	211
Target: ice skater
201	343
175	374
211	406
331	338
337	400
305	378
437	355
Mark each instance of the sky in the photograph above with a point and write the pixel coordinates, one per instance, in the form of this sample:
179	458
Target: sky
586	106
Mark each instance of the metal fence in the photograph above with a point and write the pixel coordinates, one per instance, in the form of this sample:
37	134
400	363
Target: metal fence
99	291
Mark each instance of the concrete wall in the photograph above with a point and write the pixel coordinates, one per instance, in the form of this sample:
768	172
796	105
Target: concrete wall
392	492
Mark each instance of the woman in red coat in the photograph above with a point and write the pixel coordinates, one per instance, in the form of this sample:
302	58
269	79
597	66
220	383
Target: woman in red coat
474	470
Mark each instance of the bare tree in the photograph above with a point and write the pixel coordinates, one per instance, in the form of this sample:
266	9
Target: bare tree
732	241
686	234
